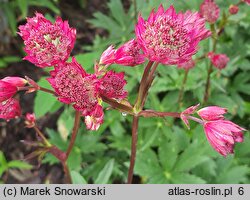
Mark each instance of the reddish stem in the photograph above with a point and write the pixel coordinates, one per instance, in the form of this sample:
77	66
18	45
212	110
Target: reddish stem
133	148
74	133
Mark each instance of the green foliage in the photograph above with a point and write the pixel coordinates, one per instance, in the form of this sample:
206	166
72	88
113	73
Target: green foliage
43	102
13	164
11	10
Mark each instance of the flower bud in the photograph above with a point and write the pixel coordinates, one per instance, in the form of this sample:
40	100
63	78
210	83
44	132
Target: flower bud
218	60
233	9
30	120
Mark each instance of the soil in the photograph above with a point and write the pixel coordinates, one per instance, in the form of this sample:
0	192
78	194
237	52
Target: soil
14	132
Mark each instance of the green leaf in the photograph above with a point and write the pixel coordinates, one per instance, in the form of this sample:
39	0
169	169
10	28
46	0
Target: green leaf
147	164
192	156
23	6
104	175
234	175
10	14
184	178
19	164
77	178
45	3
44	102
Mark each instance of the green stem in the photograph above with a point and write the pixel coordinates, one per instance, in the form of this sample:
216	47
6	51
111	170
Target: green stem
46	142
74	133
133	149
180	97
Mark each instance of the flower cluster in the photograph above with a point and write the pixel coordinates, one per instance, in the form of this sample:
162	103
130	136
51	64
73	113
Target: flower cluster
50	44
221	133
166	37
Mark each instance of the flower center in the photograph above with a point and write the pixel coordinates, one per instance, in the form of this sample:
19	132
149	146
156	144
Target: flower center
166	37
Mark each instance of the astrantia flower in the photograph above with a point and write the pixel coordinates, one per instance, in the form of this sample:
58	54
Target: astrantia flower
94	120
218	60
112	85
74	86
222	135
210	11
45	43
170	38
233	9
187	65
129	54
10	109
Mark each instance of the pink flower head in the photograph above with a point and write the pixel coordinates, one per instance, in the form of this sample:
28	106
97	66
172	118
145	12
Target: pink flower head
222	135
108	56
74	86
47	44
233	9
94	120
210	11
129	54
218	60
187	65
15	81
170	38
189	111
212	113
7	90
10	109
247	2
112	85
30	120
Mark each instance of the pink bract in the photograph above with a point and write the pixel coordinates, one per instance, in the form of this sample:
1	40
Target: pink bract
47	44
15	81
129	54
222	135
212	113
189	111
7	90
210	11
112	85
10	109
218	60
170	38
108	56
74	86
94	120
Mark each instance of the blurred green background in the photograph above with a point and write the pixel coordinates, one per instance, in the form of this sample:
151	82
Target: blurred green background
167	152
